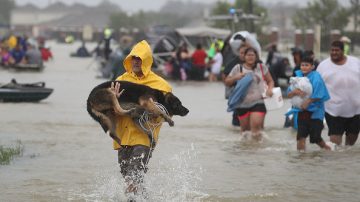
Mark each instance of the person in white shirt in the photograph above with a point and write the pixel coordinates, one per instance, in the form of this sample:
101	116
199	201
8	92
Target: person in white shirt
341	75
216	64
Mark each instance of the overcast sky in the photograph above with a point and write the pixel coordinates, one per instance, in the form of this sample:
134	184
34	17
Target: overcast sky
135	5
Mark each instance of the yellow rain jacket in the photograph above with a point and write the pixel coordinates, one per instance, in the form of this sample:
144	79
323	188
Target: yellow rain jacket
129	134
12	41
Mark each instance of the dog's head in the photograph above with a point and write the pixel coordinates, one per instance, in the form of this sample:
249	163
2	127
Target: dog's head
174	105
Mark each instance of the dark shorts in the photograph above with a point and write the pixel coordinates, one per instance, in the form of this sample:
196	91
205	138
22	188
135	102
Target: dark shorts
309	127
245	112
338	125
133	161
235	119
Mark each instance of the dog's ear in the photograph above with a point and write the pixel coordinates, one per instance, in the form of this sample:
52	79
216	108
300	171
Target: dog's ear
171	99
168	97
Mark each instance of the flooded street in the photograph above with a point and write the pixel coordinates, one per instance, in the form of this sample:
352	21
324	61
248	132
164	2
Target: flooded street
67	156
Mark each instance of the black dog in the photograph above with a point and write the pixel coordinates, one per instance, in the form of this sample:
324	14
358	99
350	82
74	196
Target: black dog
104	107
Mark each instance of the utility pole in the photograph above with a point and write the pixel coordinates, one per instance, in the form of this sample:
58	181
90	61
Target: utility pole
251	11
356	8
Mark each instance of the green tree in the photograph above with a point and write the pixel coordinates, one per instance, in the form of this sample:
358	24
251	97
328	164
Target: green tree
355	11
119	19
144	19
222	8
255	9
182	8
174	13
328	13
5	11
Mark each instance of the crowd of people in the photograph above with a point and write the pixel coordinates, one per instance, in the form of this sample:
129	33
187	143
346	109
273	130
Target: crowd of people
16	50
332	98
198	66
212	65
334	83
247	73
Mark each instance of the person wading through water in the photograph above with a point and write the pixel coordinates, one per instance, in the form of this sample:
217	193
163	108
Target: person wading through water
135	149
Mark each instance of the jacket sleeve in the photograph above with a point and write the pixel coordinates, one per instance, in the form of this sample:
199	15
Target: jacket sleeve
319	89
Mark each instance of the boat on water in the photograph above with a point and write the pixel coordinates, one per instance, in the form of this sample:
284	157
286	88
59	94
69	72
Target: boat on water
28	67
24	92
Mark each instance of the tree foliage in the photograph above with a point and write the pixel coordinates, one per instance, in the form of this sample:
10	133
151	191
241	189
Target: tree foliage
222	8
327	13
143	19
355	12
173	13
6	7
181	8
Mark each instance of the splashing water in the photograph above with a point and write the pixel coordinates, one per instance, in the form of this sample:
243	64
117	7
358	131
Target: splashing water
176	178
106	186
172	179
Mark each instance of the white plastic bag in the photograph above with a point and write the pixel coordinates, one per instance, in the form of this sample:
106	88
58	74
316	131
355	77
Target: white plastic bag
302	83
241	37
275	101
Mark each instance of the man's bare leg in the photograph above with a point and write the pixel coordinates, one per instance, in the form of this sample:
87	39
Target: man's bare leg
336	139
301	144
351	139
323	145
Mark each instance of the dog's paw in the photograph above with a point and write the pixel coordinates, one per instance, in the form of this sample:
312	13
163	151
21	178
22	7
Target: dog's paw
131	111
136	112
171	123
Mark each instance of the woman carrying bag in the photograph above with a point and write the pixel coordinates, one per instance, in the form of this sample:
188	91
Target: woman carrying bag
251	109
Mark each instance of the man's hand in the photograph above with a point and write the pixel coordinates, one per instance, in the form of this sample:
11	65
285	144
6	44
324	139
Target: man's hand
115	87
239	76
269	92
306	104
299	92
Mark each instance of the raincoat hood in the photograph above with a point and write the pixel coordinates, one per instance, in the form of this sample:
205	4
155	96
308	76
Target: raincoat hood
143	51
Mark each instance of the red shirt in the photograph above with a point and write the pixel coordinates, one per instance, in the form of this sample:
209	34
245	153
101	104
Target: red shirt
45	54
198	57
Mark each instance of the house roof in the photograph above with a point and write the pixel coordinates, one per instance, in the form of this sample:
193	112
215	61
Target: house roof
60	15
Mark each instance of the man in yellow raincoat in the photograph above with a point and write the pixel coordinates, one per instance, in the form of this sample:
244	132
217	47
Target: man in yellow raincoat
135	149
